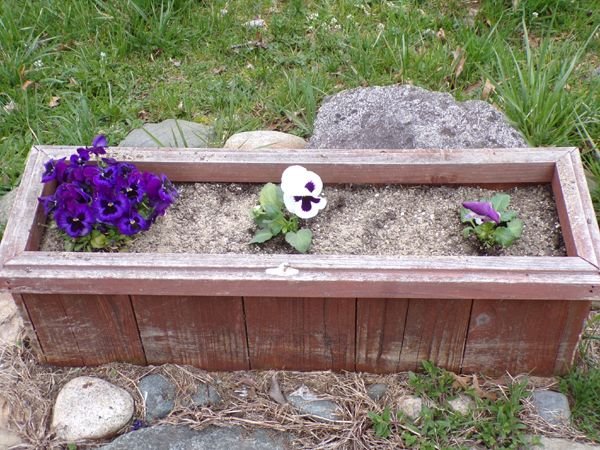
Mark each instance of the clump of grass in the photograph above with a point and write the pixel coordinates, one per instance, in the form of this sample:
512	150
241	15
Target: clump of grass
492	422
583	388
535	93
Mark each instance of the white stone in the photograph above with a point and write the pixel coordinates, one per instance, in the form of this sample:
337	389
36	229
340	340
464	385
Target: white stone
263	139
411	406
463	404
90	408
9	439
10	321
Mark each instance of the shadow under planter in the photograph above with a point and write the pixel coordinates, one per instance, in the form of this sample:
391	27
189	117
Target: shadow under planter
364	313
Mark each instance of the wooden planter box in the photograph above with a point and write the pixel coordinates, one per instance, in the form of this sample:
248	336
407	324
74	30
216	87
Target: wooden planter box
363	313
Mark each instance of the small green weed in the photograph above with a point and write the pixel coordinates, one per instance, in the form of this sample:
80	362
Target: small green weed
583	388
491	423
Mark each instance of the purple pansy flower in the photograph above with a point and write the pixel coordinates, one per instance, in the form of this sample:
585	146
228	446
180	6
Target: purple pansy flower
301	192
75	222
81	158
132	187
48	203
109	208
159	188
54	170
98	145
132	223
481	212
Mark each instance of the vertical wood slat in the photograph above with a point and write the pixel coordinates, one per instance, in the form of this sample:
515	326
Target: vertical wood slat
397	334
301	333
435	331
380	331
85	329
523	336
28	327
206	332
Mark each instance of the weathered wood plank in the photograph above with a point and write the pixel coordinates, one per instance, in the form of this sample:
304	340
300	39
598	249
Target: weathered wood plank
519	336
21	227
301	333
435	330
574	218
429	166
85	329
380	324
586	202
205	332
576	315
343	276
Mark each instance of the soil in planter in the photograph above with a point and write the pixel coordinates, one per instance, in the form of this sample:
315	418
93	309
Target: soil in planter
358	220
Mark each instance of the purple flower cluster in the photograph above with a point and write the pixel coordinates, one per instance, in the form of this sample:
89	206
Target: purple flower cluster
104	195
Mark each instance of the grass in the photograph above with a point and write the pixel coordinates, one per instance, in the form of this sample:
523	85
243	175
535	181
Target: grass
115	64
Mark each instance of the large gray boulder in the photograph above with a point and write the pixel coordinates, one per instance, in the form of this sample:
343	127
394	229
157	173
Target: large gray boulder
404	116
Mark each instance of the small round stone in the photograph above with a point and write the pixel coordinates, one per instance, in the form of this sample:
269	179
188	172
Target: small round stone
90	408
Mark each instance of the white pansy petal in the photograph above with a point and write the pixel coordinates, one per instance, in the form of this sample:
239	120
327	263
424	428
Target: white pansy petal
291	204
293	179
312	177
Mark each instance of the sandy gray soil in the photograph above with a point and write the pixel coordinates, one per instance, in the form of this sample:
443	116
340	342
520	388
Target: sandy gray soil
385	220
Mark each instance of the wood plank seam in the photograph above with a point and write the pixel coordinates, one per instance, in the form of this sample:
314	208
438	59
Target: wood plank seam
462	358
248	358
137	327
404	327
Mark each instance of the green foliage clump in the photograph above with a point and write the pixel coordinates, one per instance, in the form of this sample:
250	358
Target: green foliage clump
271	219
489	233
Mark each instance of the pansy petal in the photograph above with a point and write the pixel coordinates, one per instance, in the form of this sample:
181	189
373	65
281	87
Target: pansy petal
100	141
293	179
483	209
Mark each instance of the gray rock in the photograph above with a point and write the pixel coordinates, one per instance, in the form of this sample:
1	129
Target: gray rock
405	116
206	395
307	402
90	408
548	443
170	133
6	202
263	139
411	406
376	391
159	396
169	437
463	404
552	406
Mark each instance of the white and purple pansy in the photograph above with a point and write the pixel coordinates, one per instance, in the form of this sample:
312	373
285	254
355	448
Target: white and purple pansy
301	192
481	212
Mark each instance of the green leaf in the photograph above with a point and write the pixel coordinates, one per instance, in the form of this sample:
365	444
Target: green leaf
515	226
271	195
300	239
507	216
504	237
500	201
98	240
467	232
261	236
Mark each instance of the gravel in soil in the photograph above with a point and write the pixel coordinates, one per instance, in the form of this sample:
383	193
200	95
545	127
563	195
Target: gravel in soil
358	220
390	220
